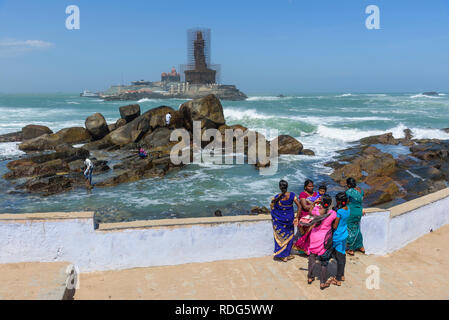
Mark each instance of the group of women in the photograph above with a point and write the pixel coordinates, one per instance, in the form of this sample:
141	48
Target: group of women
323	231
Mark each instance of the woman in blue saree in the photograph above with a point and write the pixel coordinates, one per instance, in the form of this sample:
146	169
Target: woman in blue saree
284	221
355	196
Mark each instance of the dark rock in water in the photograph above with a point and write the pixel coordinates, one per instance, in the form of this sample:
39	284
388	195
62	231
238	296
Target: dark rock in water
50	141
386	138
217	213
157	138
307	152
130	112
430	93
53	163
372	161
260	210
445	130
49	185
408	134
208	110
33	131
431	150
288	145
97	126
11	137
384	188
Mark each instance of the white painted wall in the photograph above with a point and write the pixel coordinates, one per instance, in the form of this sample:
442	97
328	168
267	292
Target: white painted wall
410	226
76	241
374	228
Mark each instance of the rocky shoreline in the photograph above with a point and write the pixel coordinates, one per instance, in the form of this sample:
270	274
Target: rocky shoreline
53	165
390	170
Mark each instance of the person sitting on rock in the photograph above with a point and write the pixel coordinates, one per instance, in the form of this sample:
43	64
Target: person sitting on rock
142	153
88	172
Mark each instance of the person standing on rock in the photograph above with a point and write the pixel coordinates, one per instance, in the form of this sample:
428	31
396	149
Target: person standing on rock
284	220
168	119
88	172
355	197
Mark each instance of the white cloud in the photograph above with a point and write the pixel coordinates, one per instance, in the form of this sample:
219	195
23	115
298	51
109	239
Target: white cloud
14	47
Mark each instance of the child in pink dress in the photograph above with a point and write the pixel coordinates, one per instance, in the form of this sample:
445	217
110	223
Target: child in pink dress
320	237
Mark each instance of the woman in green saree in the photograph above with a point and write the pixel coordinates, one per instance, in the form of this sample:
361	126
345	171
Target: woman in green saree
355	196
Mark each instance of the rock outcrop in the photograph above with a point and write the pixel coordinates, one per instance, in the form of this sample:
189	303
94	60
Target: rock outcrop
288	145
33	131
208	110
50	141
130	112
97	126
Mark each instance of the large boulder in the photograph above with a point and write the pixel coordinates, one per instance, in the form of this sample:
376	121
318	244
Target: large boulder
288	145
33	131
130	112
386	138
97	126
136	129
157	138
208	110
44	142
73	135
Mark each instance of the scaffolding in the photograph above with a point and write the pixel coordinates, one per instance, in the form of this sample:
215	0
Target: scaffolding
192	36
216	67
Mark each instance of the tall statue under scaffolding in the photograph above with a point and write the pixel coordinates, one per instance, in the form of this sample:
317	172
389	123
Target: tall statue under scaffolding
197	71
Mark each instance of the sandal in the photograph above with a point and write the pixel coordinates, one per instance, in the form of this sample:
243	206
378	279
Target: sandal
325	285
350	252
362	250
310	280
342	278
290	257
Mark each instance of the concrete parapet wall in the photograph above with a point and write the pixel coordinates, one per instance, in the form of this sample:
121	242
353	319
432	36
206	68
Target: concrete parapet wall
71	237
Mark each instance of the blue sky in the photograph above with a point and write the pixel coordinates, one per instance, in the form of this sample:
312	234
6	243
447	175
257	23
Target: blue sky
264	46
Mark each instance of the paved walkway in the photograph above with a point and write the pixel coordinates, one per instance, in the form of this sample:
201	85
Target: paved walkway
34	281
417	271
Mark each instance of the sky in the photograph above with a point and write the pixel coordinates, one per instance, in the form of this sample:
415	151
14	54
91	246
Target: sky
264	46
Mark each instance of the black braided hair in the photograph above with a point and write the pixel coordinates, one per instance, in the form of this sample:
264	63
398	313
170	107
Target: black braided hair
283	185
342	200
350	182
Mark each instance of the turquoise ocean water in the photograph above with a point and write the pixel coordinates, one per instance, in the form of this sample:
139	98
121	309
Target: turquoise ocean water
324	123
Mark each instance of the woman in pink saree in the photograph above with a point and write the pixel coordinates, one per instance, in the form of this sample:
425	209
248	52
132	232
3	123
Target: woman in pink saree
302	244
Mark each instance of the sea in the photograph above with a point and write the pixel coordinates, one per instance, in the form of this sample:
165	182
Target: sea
324	123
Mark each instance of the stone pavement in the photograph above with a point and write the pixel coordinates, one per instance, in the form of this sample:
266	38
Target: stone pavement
418	271
34	281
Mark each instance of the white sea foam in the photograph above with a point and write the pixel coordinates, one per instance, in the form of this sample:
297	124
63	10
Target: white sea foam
344	95
10	149
146	100
268	98
73	102
350	135
423	96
